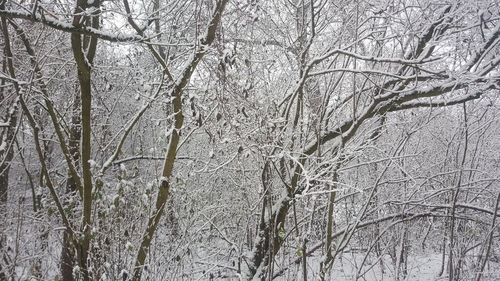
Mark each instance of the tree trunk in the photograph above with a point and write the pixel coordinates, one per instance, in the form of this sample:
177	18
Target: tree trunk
67	258
7	136
67	251
4	182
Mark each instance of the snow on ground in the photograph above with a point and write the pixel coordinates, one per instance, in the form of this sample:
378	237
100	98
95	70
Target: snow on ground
420	268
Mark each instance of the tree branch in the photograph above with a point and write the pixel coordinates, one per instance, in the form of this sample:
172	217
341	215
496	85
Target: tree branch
68	27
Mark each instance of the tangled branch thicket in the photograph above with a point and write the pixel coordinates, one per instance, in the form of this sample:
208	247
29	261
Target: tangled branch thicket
249	140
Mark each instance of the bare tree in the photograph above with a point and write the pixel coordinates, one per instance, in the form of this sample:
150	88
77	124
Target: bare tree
248	139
